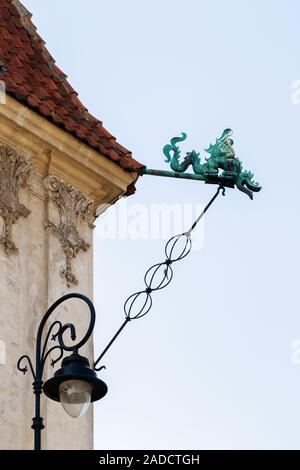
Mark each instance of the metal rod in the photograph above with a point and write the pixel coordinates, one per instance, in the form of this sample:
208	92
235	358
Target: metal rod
220	188
171	174
37	420
111	342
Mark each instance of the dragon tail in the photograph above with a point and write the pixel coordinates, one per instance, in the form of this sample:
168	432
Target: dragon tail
173	147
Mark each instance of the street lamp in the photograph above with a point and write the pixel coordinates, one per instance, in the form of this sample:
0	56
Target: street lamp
76	384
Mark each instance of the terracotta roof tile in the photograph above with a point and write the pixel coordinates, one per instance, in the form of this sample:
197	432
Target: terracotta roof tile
32	77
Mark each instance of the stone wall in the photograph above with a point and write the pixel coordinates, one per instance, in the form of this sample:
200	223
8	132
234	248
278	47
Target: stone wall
47	206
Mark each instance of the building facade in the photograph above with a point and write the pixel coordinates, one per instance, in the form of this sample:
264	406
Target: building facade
59	169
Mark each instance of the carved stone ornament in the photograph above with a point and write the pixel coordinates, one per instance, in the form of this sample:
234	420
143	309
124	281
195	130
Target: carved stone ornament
73	206
15	171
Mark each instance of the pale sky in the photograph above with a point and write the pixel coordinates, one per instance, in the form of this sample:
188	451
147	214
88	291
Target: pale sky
211	366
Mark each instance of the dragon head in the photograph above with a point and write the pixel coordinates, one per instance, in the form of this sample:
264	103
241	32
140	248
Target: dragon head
246	183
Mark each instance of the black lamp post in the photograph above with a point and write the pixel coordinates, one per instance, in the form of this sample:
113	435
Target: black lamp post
75	385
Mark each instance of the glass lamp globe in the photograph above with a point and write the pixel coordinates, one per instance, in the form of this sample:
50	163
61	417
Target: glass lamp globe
75	396
75	385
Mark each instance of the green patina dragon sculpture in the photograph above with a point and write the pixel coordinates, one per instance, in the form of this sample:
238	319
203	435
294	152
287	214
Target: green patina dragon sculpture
222	157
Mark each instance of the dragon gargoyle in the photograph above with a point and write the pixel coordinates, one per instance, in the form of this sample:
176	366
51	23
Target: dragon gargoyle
222	157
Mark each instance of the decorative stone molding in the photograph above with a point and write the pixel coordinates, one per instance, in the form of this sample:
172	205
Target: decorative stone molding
73	206
15	171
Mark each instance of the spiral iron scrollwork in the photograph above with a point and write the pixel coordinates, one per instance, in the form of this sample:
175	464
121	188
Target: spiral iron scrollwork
56	332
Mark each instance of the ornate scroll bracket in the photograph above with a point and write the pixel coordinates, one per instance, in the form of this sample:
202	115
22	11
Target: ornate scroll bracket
15	171
73	207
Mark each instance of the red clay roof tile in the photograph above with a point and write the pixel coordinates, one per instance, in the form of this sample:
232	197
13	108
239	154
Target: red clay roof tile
32	77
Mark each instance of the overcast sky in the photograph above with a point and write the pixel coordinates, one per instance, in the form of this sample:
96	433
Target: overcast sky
215	363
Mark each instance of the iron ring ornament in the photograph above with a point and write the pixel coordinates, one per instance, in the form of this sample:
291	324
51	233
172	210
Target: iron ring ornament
157	277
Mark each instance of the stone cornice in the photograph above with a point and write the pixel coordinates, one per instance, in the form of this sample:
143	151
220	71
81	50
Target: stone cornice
56	152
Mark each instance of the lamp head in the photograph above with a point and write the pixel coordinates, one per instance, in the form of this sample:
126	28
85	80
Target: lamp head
75	385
